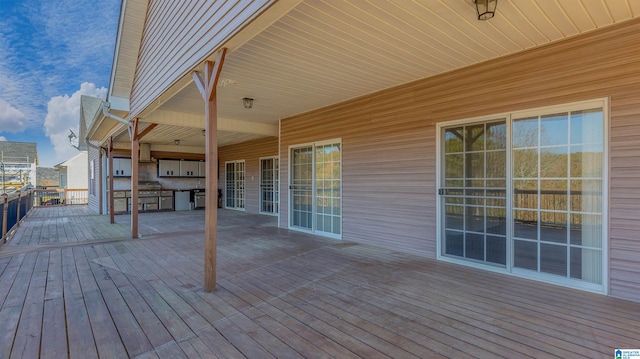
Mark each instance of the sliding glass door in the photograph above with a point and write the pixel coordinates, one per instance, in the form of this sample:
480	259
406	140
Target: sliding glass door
557	179
235	182
269	185
474	192
315	188
525	193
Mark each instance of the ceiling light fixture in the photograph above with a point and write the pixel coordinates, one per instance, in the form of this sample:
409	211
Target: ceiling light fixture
176	142
486	9
247	102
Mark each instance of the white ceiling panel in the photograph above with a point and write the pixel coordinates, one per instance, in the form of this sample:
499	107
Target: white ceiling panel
326	51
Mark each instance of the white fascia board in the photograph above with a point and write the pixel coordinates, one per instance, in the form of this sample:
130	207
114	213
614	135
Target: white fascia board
119	103
116	50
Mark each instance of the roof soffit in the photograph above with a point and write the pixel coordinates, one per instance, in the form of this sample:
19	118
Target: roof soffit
128	40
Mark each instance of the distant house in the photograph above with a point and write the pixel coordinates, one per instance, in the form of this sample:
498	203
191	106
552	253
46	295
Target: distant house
18	162
73	172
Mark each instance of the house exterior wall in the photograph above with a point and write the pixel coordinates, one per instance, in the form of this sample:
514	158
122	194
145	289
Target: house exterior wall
77	169
389	144
180	35
250	152
93	155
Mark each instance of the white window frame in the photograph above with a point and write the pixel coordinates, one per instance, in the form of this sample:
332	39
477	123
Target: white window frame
313	204
276	186
508	269
244	189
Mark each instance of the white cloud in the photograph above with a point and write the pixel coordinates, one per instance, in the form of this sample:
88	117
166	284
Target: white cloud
2	138
63	113
66	42
11	119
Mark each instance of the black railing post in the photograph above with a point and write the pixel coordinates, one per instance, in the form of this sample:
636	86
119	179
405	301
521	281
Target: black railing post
5	213
18	210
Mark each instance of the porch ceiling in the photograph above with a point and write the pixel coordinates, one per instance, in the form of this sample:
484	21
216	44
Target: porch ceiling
318	53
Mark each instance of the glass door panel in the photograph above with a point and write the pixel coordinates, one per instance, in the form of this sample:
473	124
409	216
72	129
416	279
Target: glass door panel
557	174
474	193
269	185
235	183
301	188
230	195
316	188
328	189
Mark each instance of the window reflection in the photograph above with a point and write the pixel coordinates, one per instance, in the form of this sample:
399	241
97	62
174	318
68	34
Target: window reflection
557	194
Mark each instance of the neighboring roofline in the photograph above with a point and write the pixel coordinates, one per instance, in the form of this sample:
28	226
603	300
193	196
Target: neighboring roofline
99	118
30	161
89	106
63	163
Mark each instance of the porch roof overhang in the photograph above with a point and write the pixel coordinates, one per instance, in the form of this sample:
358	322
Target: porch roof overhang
298	56
102	126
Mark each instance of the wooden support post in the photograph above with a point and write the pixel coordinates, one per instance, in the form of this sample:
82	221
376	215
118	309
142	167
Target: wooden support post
207	88
112	218
135	157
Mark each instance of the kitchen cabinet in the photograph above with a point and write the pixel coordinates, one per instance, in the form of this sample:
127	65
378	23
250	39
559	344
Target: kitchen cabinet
120	205
166	203
181	168
202	169
189	168
122	167
148	200
168	168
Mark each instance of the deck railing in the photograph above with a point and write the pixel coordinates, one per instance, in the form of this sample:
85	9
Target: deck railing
60	196
14	207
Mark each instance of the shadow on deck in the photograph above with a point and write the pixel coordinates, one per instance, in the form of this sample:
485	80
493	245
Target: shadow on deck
72	285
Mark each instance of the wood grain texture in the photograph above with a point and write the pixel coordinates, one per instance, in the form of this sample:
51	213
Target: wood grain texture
281	294
389	146
250	152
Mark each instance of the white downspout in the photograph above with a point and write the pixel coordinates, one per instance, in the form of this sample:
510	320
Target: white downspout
105	111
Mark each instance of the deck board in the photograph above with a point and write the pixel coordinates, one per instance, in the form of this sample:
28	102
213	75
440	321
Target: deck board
29	331
73	285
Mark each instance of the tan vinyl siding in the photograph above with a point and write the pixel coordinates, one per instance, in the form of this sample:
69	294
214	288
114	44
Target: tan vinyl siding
250	152
178	35
389	147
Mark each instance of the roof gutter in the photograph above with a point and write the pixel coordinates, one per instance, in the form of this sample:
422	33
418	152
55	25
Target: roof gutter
106	113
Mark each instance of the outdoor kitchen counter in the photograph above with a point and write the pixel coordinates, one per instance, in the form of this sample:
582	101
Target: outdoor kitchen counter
148	200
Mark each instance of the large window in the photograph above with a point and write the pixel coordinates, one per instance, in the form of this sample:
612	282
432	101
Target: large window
525	192
234	185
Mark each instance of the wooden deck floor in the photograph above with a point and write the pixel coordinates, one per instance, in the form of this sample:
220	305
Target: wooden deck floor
71	285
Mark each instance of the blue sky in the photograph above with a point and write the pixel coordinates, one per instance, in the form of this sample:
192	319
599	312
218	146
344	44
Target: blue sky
51	53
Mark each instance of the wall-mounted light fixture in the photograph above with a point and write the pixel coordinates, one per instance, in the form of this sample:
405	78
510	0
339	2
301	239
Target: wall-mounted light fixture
486	9
176	142
204	132
247	102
